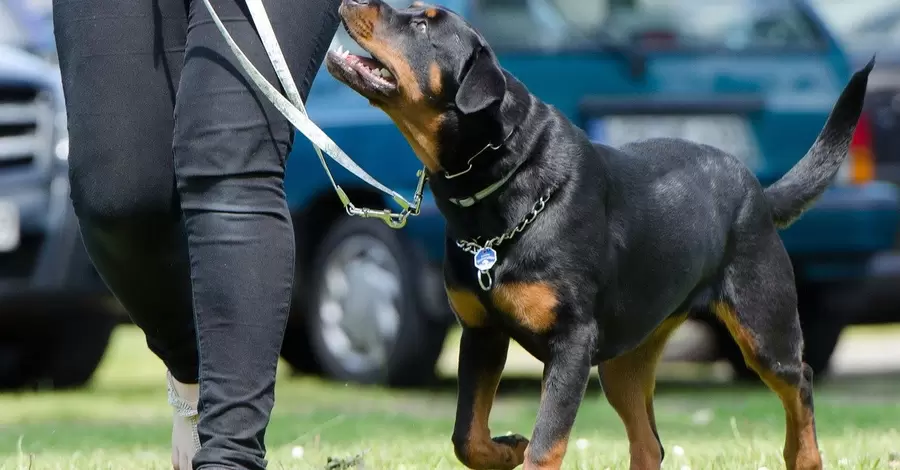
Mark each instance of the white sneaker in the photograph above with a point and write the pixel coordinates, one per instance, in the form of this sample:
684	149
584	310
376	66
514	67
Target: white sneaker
185	440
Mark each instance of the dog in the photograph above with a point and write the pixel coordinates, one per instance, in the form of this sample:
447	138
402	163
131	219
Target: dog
586	255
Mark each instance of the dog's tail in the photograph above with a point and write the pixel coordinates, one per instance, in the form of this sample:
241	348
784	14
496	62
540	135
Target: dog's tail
791	195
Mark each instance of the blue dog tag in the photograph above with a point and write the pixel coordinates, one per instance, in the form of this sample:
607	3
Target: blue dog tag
485	258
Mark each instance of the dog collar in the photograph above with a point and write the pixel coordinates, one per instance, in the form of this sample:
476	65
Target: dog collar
483	253
471	200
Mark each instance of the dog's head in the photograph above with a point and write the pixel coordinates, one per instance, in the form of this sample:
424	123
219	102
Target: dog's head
429	70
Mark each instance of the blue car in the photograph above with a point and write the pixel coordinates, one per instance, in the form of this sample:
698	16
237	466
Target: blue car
755	78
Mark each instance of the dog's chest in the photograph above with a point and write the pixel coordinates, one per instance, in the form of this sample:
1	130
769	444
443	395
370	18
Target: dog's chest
529	306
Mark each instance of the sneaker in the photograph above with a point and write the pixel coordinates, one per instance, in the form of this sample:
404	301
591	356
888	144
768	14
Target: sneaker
185	440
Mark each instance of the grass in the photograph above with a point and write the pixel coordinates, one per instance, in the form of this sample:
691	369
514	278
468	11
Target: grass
122	422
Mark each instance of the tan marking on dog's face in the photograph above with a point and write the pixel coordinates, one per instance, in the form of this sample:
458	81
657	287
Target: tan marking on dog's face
364	24
412	112
434	79
420	125
431	13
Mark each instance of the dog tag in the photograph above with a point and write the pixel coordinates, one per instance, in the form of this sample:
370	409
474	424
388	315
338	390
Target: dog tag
485	258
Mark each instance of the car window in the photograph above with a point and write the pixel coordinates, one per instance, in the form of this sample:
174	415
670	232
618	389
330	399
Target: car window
587	24
870	21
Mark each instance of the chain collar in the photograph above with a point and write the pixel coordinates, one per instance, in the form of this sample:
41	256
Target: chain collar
485	256
450	176
471	200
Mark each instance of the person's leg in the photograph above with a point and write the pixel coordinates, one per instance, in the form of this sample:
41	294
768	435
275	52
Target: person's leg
120	64
230	145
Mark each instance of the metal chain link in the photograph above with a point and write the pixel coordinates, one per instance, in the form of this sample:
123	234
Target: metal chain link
473	246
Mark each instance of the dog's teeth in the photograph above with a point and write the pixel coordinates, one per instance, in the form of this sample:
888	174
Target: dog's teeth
386	73
345	53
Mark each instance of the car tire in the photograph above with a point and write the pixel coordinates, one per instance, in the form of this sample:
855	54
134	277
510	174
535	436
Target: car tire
386	315
821	331
296	349
54	348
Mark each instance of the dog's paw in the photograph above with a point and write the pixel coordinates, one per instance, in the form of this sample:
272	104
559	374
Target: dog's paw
516	443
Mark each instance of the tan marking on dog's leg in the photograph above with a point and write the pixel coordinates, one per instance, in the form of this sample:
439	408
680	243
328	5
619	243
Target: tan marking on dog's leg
467	307
801	449
628	382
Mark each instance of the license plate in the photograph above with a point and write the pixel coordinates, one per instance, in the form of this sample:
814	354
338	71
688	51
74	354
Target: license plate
9	226
726	132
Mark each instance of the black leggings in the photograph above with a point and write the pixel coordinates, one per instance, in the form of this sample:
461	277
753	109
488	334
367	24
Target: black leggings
177	169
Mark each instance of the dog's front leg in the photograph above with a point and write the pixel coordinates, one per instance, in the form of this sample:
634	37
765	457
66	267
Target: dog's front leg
566	374
482	355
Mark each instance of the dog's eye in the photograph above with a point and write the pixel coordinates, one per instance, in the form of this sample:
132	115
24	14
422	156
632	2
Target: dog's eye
420	26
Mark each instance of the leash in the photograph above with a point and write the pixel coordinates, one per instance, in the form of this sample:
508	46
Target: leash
294	110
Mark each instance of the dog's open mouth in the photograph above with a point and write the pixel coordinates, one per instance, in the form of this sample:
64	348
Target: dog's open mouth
366	75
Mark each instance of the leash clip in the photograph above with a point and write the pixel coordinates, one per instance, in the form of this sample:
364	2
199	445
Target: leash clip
395	220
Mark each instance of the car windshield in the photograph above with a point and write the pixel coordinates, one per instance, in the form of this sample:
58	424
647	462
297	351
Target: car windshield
587	24
867	22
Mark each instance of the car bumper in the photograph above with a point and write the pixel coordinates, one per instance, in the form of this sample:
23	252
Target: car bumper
50	245
848	225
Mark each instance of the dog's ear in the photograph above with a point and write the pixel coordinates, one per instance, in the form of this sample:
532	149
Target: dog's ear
482	85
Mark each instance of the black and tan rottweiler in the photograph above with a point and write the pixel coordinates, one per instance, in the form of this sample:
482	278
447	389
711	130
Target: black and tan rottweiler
586	254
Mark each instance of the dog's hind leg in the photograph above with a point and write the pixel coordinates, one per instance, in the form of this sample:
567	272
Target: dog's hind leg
759	309
628	382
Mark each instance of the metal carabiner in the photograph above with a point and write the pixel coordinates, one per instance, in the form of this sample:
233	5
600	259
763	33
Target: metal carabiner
394	220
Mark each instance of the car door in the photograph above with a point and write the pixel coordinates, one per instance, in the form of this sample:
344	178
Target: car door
754	77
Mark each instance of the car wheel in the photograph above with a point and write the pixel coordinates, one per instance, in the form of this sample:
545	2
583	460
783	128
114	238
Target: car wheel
296	349
54	348
367	318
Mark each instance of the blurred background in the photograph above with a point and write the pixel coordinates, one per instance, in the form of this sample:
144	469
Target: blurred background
755	77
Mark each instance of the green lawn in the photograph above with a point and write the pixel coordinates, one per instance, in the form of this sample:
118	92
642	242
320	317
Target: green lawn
122	422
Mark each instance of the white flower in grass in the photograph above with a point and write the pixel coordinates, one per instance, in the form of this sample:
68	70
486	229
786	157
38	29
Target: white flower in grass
297	452
702	417
582	444
685	467
678	450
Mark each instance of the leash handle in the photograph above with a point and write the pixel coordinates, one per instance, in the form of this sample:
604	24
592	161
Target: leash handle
295	112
